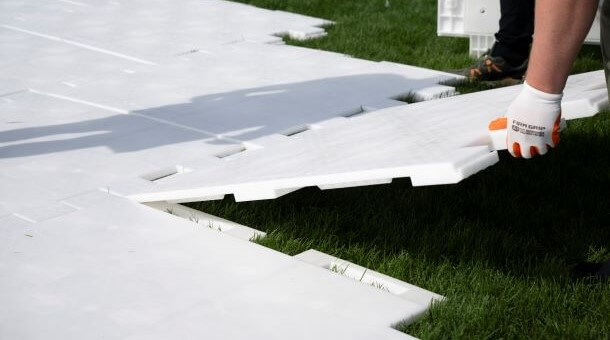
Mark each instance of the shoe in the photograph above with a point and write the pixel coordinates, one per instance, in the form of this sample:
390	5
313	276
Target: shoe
490	68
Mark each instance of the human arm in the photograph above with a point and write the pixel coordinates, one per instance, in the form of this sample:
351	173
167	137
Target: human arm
533	117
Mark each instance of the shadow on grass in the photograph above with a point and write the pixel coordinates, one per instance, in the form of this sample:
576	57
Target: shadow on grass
521	217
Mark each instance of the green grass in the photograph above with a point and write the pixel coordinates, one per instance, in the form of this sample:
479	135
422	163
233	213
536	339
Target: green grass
404	32
498	245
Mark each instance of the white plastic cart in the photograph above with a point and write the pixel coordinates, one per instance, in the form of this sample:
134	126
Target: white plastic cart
479	20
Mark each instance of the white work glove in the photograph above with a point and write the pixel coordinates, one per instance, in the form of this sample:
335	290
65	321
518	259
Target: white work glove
533	121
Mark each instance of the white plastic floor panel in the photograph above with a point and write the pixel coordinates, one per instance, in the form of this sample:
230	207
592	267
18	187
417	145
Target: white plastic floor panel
437	142
101	99
120	270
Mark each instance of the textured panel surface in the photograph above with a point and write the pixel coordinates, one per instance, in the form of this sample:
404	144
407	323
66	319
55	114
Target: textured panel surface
125	271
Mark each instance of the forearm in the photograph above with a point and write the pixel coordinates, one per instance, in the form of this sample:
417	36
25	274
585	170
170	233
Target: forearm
560	28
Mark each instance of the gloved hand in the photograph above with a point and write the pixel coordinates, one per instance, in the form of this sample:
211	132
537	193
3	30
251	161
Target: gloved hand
533	121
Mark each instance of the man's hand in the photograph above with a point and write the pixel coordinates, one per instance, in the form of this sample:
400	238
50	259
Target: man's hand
533	121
